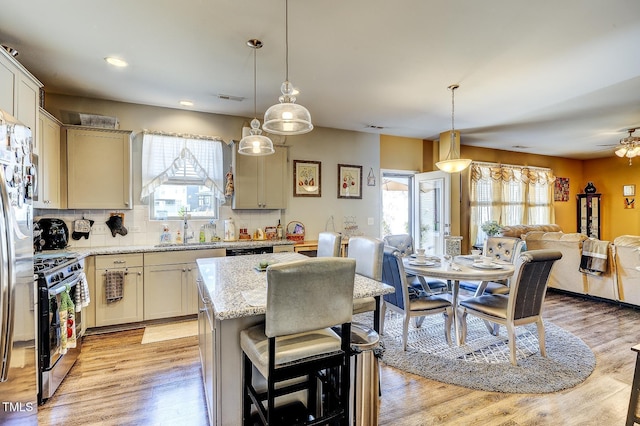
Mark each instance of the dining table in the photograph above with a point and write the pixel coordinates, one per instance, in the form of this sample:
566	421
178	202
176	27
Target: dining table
456	269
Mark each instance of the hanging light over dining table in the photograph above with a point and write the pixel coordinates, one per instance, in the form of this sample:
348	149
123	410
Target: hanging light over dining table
287	117
453	163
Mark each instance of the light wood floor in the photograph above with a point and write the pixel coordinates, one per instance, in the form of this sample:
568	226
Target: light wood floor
119	381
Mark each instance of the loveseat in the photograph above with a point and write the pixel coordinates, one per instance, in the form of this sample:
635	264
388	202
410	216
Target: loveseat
619	282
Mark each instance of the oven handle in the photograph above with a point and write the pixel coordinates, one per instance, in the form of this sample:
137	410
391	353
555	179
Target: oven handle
59	288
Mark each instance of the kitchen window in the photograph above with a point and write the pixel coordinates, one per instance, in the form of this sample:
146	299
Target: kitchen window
182	174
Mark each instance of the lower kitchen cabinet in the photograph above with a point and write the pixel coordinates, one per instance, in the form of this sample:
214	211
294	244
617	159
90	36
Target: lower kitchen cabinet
170	282
130	307
206	342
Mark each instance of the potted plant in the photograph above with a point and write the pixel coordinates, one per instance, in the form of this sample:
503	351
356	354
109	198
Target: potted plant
491	228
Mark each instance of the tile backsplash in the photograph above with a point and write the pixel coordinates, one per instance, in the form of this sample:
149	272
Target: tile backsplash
145	232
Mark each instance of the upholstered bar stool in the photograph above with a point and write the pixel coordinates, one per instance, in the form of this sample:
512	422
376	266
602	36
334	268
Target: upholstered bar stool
367	253
304	300
329	244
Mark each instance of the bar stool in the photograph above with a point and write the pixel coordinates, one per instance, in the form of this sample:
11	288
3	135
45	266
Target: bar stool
367	253
304	300
329	244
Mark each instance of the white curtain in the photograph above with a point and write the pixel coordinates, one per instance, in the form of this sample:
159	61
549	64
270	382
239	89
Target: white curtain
164	156
510	195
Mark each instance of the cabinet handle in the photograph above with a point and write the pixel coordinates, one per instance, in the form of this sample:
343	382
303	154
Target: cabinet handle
119	262
184	269
189	269
139	273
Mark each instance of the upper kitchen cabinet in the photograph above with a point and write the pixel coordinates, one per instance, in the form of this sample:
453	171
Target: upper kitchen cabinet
19	92
99	168
260	181
47	194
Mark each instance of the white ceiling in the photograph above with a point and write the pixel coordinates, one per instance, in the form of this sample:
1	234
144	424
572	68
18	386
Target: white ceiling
552	77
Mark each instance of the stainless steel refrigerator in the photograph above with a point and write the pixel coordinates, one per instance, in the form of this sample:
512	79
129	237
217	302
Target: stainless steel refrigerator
18	365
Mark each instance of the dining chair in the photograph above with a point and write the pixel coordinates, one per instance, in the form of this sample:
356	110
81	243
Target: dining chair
329	244
408	306
524	303
367	252
504	249
403	243
304	300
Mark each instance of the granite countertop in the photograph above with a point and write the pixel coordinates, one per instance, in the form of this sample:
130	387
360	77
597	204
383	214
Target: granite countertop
238	289
90	251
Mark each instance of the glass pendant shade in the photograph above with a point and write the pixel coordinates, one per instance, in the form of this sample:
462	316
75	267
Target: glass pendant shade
255	143
453	166
287	117
453	163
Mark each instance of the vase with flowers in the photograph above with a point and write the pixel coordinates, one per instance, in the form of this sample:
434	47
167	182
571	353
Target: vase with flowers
491	228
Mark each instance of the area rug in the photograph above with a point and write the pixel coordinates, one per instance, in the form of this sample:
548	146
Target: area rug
483	361
174	330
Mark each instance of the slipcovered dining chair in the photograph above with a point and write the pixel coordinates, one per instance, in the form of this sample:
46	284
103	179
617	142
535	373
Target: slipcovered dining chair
367	253
408	306
304	300
329	244
505	249
524	303
403	244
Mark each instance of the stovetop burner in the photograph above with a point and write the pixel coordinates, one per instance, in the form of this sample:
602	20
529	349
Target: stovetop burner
46	263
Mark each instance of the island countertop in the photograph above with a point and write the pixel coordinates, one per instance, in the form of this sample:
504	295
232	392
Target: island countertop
237	288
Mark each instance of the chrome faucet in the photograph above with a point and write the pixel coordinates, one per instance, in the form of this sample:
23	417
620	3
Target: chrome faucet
187	236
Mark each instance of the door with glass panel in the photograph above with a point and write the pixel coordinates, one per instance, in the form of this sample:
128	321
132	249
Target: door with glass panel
432	214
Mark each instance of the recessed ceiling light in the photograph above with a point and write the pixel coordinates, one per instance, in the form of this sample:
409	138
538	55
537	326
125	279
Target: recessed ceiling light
186	103
116	62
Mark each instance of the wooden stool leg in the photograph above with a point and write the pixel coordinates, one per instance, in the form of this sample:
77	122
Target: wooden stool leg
632	416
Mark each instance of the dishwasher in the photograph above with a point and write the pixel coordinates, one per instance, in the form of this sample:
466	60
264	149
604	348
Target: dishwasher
248	250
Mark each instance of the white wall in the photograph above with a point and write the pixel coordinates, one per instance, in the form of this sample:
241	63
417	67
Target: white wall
330	146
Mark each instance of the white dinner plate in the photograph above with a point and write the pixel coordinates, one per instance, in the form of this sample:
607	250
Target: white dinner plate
483	266
416	263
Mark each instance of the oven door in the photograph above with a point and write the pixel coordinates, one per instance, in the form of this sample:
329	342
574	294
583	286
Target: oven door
50	327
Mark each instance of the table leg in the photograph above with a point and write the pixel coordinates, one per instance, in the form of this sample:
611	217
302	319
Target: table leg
376	315
632	416
455	288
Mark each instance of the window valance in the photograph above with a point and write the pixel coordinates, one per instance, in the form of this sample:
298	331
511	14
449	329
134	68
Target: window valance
166	157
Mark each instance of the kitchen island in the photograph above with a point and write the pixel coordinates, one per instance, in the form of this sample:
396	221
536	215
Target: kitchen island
233	296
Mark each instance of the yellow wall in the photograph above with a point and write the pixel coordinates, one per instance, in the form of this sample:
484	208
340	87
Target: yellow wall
398	153
609	175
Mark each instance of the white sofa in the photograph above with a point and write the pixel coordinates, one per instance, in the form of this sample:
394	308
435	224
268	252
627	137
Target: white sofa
566	274
627	262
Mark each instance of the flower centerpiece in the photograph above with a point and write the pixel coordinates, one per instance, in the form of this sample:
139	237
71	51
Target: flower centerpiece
491	228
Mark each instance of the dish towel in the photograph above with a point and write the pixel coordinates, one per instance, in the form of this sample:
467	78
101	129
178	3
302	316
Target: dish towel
82	292
594	257
114	285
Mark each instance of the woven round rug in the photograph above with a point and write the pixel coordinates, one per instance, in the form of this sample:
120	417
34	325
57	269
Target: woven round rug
483	361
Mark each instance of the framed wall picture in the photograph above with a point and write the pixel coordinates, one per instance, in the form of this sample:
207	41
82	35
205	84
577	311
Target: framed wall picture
561	189
307	178
629	190
349	181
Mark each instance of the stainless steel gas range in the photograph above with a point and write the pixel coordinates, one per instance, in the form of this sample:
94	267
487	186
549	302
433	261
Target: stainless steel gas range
59	331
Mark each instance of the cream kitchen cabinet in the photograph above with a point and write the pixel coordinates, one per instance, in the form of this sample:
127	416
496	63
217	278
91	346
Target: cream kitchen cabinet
131	307
47	194
170	282
99	168
19	92
260	181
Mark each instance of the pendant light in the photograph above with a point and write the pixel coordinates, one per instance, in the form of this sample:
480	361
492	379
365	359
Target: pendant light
255	143
453	163
287	117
